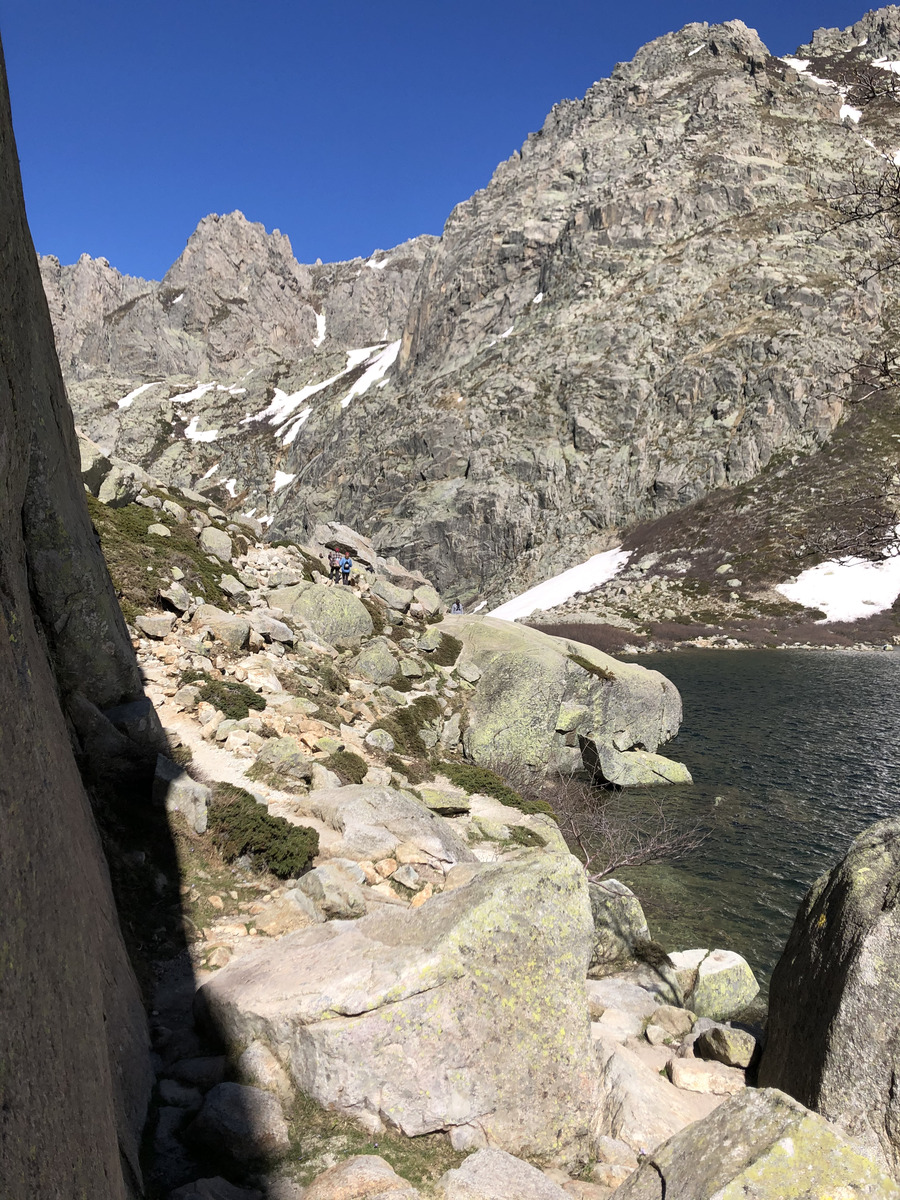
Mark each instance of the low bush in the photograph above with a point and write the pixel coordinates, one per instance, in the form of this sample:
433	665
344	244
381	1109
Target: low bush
591	668
414	771
401	683
240	827
405	724
139	563
227	695
447	652
347	765
479	779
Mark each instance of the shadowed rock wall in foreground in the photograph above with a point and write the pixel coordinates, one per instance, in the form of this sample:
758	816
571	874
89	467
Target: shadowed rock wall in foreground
74	1065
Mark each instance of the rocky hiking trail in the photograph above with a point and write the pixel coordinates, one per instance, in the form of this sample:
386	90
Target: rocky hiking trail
372	915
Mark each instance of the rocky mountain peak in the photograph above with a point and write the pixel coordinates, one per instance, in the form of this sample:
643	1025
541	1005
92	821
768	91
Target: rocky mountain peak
650	299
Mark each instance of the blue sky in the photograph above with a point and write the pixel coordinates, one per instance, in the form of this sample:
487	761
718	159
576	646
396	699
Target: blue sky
349	125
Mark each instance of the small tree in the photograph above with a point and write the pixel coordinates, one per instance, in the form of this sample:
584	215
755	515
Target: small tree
607	829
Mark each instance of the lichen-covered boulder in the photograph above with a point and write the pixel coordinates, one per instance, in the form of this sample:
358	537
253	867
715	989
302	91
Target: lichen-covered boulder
760	1145
467	1014
716	983
619	924
375	821
363	1177
394	597
834	1008
496	1175
335	614
553	703
227	627
376	661
284	761
216	542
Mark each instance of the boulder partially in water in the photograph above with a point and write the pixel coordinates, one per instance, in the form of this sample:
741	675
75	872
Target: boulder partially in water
834	1007
552	703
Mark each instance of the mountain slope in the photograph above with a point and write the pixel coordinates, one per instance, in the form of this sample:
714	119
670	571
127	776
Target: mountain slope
648	301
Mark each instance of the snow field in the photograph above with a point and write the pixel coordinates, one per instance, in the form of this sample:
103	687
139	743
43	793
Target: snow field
587	575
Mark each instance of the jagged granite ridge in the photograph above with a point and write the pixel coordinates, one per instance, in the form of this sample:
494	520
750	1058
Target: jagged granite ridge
647	302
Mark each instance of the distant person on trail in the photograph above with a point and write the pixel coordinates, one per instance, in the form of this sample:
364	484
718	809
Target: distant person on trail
456	608
346	567
334	562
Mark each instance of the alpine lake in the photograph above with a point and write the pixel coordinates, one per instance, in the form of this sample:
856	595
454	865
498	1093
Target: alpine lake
793	753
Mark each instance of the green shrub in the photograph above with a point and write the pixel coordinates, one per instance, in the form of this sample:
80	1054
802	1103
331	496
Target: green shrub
376	611
414	771
401	683
349	766
129	550
230	697
479	779
404	725
591	668
332	680
447	652
241	826
525	836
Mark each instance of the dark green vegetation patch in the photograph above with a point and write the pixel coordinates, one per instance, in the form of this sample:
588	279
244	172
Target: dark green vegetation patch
241	826
405	724
227	695
447	652
347	765
479	779
415	772
139	562
591	668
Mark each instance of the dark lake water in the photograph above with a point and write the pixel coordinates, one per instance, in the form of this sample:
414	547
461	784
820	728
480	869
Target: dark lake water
793	753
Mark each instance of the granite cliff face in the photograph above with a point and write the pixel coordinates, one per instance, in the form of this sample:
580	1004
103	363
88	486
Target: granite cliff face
647	302
74	1046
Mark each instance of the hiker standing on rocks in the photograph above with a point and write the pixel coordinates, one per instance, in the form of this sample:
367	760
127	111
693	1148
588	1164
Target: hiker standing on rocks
346	567
334	562
456	608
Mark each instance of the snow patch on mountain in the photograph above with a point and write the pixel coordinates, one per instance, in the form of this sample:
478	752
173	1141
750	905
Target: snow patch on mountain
583	578
846	589
194	434
127	401
376	370
282	479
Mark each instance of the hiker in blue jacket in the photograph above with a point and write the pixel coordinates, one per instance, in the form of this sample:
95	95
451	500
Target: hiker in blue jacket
346	567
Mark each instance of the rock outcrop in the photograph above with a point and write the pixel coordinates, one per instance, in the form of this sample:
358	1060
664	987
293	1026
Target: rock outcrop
75	1076
468	1014
834	1008
760	1144
553	703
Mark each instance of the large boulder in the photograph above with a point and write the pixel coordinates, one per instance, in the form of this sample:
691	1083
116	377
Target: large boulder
468	1014
376	661
335	614
363	1177
834	1005
233	630
216	542
553	703
332	535
716	983
619	926
375	821
761	1145
394	597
